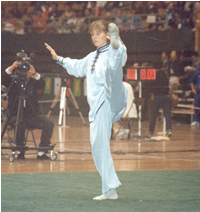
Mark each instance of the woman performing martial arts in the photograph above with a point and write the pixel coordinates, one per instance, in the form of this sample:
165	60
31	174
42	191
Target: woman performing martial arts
106	96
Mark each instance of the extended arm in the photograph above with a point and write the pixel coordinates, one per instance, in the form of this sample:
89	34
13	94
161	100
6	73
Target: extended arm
74	67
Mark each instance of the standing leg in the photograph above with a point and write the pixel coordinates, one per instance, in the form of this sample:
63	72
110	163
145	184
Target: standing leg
100	133
166	105
155	106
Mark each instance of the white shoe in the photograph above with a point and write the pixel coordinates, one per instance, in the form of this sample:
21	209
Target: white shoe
195	123
114	35
111	194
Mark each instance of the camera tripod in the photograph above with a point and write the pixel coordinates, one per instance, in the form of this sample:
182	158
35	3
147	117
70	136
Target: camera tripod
62	93
19	120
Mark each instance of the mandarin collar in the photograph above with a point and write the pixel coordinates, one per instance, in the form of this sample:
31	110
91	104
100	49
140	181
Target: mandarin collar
103	48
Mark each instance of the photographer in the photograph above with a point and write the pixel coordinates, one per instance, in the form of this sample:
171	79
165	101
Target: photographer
27	84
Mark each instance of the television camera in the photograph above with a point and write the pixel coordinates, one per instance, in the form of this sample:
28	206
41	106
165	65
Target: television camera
24	67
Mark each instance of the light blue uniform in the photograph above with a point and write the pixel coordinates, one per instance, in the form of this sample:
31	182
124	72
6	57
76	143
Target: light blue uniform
107	97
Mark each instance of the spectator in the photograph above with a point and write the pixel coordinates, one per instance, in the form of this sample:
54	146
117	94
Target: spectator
175	69
70	25
109	17
101	4
133	22
54	14
95	11
15	12
169	15
165	61
39	22
161	100
188	22
46	10
87	20
37	6
109	6
196	6
9	24
139	7
66	14
189	70
156	24
53	19
4	14
120	20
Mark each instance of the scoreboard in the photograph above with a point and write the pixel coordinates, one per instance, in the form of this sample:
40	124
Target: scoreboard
141	74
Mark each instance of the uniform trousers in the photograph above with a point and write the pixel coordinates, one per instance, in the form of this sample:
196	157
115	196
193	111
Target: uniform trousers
110	111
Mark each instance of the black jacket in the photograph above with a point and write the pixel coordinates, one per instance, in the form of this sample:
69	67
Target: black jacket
160	86
27	90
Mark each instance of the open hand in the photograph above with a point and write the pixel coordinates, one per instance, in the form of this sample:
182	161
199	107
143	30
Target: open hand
52	51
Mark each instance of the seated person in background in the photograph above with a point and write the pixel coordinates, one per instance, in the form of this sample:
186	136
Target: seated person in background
86	21
9	24
195	63
120	20
165	61
53	18
33	84
195	86
39	22
133	22
189	71
175	69
15	11
160	89
69	25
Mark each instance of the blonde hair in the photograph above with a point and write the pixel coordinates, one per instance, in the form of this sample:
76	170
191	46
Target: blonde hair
99	25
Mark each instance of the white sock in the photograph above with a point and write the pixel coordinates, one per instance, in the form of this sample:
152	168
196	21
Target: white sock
114	35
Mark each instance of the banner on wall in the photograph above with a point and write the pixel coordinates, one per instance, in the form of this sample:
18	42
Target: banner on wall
57	85
48	83
85	87
68	83
77	87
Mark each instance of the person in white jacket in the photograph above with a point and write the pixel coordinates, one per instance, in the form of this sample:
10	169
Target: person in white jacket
106	95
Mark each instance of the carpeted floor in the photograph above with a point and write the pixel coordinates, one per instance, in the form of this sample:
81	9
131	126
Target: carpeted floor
148	191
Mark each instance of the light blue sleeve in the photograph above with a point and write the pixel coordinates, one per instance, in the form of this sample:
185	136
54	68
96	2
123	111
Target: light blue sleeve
124	55
74	67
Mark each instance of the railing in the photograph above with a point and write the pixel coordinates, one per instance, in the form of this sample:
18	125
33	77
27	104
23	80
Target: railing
139	22
78	24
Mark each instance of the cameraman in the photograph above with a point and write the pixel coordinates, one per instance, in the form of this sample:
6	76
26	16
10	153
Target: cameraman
29	89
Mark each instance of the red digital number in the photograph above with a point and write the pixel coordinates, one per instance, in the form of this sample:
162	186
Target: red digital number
132	74
151	74
143	73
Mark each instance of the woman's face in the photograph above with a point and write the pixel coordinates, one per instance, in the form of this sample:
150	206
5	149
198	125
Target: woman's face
99	38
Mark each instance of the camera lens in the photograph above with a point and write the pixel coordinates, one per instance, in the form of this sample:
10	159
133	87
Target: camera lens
24	67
